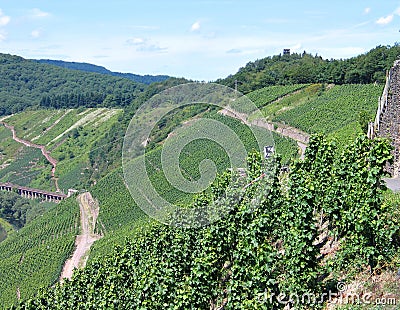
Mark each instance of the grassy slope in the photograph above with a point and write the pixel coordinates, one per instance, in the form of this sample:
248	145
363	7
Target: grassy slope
8	147
69	135
118	215
290	101
26	165
331	110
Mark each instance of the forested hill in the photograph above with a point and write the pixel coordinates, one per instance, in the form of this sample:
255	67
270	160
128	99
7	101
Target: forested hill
25	83
306	68
81	66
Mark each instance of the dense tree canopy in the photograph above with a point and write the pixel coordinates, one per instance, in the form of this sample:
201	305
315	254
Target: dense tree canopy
305	68
18	210
26	83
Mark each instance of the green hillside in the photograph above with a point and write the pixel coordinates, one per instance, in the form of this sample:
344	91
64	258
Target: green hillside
349	100
306	68
145	79
238	262
119	214
337	111
33	257
27	83
266	95
69	136
6	229
303	227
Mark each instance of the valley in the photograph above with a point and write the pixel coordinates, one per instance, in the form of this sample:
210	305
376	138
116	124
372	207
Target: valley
313	214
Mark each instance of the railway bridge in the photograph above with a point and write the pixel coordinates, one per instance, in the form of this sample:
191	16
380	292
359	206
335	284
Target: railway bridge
34	193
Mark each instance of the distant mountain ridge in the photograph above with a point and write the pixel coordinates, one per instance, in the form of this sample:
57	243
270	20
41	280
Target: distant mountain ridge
82	66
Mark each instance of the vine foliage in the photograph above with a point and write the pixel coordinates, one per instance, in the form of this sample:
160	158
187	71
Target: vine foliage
264	253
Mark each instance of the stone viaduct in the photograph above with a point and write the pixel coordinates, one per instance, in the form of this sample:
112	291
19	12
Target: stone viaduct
33	193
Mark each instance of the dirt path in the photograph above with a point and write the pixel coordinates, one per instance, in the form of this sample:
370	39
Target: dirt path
89	211
42	148
299	136
5	117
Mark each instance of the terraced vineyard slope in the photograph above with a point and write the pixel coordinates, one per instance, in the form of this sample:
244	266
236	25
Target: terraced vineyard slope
65	136
120	217
275	247
334	110
34	256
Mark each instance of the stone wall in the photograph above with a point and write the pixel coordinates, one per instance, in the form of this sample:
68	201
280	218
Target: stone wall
387	122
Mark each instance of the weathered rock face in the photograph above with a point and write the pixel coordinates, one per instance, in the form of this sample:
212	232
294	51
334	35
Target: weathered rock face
387	122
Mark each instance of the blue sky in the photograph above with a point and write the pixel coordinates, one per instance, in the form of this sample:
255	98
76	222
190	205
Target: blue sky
198	39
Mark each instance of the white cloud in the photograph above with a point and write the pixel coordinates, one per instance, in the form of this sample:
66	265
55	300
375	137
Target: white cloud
2	36
342	52
145	45
35	34
136	41
196	26
37	13
385	20
145	27
367	10
4	19
361	24
296	48
277	21
234	51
